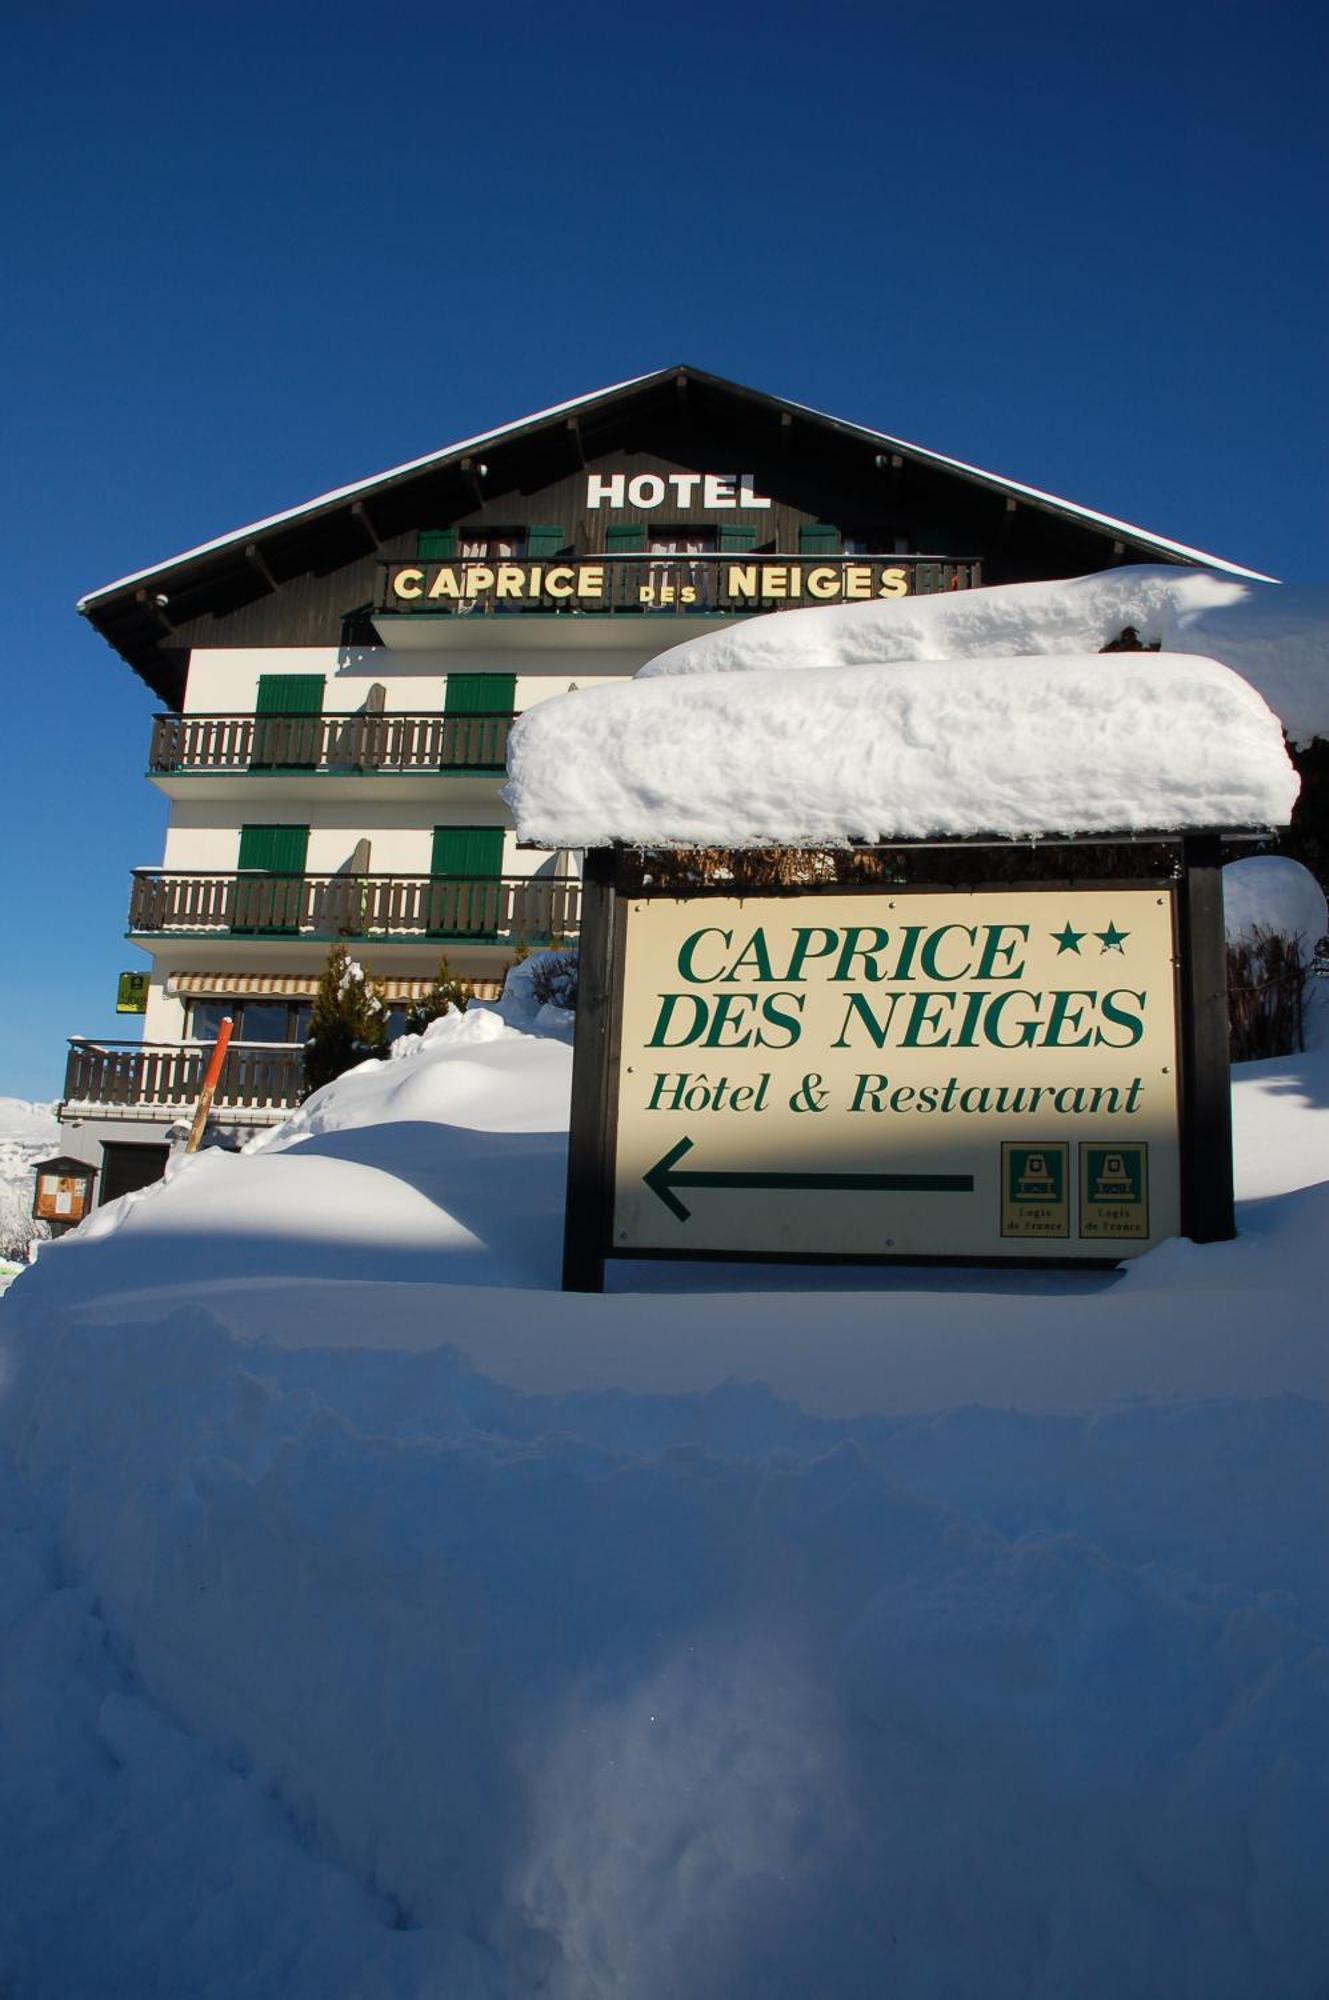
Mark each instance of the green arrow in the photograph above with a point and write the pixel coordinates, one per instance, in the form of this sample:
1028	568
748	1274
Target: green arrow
662	1180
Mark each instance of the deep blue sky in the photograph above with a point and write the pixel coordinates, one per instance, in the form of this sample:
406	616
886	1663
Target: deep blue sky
253	252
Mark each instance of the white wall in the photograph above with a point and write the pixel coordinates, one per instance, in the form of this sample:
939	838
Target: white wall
204	835
224	681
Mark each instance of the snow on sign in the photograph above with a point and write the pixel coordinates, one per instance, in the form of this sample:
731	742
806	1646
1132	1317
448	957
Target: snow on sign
987	1074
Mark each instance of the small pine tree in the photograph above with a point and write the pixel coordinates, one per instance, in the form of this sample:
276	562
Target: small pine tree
447	991
349	1022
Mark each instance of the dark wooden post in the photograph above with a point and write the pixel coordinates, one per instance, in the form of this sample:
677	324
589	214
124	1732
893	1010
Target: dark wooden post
589	1200
1206	1093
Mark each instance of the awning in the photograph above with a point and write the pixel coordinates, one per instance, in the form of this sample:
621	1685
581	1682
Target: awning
298	986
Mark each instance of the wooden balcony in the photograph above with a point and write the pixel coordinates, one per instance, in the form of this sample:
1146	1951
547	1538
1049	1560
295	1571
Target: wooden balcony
339	745
682	586
156	1079
507	909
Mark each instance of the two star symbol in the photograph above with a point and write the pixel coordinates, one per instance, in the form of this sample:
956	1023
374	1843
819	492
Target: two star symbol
1070	940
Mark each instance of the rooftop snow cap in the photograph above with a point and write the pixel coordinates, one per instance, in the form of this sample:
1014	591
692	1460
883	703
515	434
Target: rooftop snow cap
1055	745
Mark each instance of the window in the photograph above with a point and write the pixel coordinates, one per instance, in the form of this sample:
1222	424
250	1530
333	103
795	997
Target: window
491	544
265	1019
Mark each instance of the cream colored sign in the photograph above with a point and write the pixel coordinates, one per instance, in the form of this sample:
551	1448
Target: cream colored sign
936	1074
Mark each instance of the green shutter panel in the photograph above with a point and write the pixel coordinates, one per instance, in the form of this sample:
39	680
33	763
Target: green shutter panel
474	851
625	538
289	694
736	541
818	538
276	850
480	694
436	544
260	904
542	543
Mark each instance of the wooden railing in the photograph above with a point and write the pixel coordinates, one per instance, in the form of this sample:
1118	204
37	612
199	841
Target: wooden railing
167	1076
679	584
349	744
506	909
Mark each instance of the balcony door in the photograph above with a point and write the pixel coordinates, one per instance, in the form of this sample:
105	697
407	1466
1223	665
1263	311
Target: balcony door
269	889
287	722
477	710
467	887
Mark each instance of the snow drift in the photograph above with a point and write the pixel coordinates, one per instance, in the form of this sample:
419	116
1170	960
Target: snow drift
1019	747
1276	636
340	1659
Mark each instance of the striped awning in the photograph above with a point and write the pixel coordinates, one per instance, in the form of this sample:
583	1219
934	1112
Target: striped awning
299	986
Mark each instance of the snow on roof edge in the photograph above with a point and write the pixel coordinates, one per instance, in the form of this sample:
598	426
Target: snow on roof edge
359	486
443	452
1201	556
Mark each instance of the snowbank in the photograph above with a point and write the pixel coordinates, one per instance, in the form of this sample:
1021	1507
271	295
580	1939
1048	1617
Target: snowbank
1270	892
1013	746
372	1629
1276	636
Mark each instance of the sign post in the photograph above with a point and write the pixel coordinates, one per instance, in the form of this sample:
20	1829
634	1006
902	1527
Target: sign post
1027	1070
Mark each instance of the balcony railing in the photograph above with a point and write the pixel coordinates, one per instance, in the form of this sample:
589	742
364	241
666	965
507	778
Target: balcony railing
683	585
506	909
347	744
143	1077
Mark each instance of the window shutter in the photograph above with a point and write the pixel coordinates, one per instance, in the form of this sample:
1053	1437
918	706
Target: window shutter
274	850
475	851
289	694
541	543
736	540
818	538
625	538
436	544
480	694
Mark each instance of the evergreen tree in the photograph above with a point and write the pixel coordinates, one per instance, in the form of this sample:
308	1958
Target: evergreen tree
447	991
349	1022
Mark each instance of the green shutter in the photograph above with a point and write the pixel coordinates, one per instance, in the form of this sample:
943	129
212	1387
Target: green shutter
735	540
818	538
625	538
474	851
277	850
436	544
271	908
544	542
289	694
480	694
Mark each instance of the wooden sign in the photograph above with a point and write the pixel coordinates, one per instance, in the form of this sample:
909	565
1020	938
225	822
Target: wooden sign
1033	1071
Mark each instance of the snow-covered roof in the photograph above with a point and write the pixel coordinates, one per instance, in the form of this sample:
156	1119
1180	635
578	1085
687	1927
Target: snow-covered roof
1077	744
359	488
445	453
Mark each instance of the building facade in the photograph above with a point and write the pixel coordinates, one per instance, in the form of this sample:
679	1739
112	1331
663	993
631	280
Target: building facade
338	683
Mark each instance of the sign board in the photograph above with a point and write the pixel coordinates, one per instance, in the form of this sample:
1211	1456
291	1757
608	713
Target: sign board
716	582
131	994
937	1073
63	1193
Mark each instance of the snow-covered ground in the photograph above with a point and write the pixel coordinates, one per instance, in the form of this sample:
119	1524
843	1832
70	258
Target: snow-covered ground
380	1622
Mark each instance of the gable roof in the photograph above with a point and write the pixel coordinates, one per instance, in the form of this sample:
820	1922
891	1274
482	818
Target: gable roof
121	610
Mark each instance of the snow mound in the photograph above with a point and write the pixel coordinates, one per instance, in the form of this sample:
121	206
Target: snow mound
1019	747
1271	892
1275	635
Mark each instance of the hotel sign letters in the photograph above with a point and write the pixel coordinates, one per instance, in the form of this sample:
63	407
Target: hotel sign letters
711	491
618	583
989	1074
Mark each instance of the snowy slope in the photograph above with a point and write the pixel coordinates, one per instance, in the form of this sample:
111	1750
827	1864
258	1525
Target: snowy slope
381	1622
28	1133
